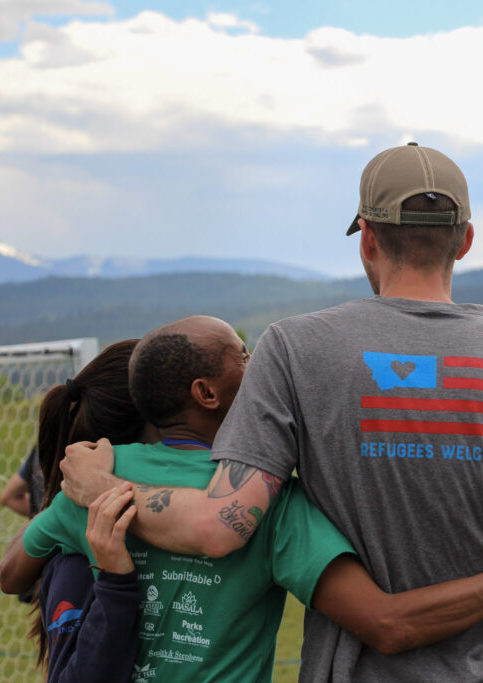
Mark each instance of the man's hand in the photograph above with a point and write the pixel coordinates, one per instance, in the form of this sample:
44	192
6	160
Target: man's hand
15	495
106	529
87	471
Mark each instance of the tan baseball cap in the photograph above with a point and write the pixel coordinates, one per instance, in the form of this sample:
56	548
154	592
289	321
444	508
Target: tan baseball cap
402	172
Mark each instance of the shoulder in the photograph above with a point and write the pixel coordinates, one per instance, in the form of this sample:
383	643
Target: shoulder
77	566
298	323
66	579
130	451
56	526
300	332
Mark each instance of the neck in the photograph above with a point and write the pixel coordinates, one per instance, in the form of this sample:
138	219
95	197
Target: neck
186	433
408	283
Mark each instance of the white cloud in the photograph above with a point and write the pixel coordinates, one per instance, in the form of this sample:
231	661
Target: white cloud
230	21
151	82
47	47
14	12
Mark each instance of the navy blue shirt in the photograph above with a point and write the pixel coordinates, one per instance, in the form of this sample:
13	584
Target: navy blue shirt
32	474
91	625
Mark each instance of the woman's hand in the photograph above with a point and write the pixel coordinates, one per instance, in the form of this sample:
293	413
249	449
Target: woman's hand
107	524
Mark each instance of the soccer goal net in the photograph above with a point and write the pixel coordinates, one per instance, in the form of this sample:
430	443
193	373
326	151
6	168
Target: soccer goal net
27	371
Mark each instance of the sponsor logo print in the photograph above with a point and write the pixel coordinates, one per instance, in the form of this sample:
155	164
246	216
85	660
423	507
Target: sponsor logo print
140	558
143	673
191	577
152	593
152	605
188	604
192	634
65	618
175	656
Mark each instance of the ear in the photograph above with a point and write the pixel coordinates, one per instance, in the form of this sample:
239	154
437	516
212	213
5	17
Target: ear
470	233
369	246
205	394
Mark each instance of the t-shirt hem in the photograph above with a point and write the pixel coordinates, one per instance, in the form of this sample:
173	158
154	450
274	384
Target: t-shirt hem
260	462
39	554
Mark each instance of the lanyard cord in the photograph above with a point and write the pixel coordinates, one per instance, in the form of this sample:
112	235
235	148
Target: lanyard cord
185	442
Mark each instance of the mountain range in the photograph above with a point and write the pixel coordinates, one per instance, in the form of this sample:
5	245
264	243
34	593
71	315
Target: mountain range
18	266
46	300
119	308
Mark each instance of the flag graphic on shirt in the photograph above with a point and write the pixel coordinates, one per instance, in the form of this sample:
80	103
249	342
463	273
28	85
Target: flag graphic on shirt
444	415
63	613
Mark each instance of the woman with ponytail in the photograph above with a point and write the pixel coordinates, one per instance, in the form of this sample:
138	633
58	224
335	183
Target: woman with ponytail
86	624
95	404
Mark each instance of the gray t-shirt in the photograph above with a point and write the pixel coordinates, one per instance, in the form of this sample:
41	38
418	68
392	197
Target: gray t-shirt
378	403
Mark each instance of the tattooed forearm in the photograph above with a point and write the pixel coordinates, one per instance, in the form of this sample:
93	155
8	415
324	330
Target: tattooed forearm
159	500
232	477
234	517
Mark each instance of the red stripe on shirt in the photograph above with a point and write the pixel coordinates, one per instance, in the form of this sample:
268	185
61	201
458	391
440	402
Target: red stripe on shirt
416	426
462	383
463	362
398	403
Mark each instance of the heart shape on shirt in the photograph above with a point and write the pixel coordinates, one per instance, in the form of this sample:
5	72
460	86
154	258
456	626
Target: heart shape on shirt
403	370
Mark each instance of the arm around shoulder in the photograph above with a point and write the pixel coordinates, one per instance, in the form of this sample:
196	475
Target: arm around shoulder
212	522
394	623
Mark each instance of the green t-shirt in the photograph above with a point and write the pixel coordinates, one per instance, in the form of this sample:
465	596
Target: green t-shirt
203	619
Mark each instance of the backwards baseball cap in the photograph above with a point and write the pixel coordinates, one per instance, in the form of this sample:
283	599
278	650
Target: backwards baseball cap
402	172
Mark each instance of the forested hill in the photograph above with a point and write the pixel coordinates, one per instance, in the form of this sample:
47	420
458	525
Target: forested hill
112	309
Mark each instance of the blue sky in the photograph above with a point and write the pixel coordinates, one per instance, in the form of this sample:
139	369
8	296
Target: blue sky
289	19
225	129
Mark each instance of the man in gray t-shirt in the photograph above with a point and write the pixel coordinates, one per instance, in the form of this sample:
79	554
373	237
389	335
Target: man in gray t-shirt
378	404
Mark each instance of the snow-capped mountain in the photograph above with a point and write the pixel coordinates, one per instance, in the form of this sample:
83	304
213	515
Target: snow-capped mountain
17	266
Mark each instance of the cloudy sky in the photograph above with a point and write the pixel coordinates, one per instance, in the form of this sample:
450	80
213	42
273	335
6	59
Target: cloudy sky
224	128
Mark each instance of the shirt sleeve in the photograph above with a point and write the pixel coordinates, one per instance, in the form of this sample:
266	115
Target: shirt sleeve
260	428
107	643
61	527
304	542
91	627
25	469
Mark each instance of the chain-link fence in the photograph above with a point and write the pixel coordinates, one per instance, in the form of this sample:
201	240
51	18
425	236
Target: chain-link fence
27	371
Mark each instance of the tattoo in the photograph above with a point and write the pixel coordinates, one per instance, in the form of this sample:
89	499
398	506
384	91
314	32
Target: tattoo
233	476
160	500
257	513
234	517
236	473
274	484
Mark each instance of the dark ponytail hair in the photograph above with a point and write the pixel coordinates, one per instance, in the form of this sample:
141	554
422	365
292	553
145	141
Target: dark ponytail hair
95	404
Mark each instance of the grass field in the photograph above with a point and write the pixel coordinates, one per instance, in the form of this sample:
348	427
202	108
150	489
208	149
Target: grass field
17	653
289	643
